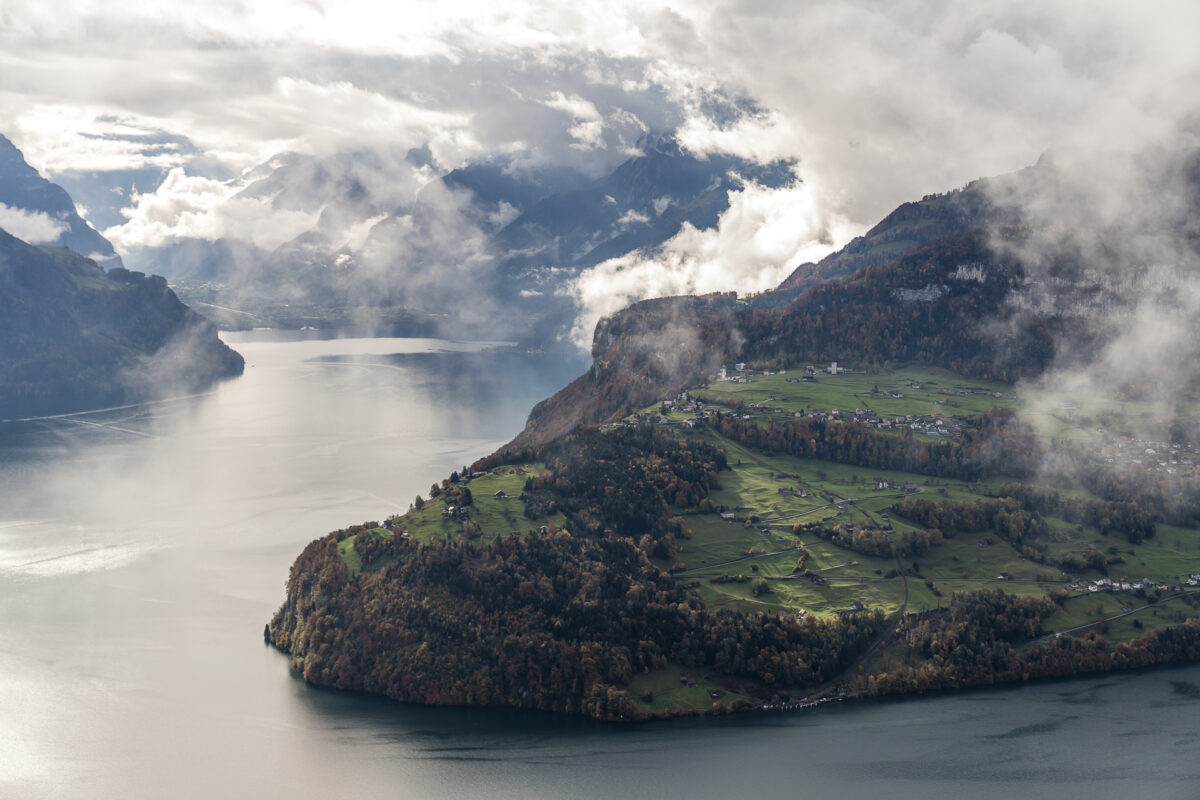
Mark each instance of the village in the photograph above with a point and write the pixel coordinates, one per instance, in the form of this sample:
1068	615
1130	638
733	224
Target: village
945	409
1123	585
937	423
875	400
1167	458
695	408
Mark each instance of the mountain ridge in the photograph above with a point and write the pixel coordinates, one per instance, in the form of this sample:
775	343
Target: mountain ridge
501	233
77	337
23	188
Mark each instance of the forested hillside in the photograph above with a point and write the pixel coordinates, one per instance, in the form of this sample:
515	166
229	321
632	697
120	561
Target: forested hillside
860	492
75	336
749	560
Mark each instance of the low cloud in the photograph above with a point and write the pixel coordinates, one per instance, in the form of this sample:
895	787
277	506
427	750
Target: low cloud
1109	242
356	235
763	235
192	207
587	127
353	114
58	138
35	227
761	138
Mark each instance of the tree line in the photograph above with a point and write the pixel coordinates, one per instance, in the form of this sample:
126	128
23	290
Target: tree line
982	640
555	622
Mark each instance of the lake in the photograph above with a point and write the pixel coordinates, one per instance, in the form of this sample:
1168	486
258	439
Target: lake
143	549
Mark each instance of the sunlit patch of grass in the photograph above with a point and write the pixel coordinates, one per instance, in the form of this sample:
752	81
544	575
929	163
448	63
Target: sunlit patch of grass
668	689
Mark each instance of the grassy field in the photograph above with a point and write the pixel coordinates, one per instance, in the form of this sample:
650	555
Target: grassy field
1172	554
721	559
715	541
924	391
964	562
668	688
495	516
1055	412
766	473
350	556
1091	611
759	561
1078	415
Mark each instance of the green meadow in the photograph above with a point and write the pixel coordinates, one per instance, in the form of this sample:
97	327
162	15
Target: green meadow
673	688
758	561
494	515
923	391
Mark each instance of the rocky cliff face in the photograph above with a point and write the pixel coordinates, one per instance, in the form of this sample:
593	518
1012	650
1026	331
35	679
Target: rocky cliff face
644	353
73	336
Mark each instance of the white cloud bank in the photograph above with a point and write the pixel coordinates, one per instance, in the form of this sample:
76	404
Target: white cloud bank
758	241
35	227
193	207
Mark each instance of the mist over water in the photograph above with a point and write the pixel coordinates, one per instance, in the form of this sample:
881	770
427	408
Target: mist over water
143	549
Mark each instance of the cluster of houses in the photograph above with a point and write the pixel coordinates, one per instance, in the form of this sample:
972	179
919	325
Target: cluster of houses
1122	585
742	374
739	374
933	425
1162	457
456	513
811	371
685	404
681	404
777	703
968	391
393	524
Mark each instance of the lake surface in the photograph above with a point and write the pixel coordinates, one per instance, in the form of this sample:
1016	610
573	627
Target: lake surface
143	549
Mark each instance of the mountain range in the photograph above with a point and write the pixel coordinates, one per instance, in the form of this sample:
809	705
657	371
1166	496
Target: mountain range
491	243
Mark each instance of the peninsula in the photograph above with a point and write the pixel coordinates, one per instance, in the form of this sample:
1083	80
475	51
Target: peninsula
872	481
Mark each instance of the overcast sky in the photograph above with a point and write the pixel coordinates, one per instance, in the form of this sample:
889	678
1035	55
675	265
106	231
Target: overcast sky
878	102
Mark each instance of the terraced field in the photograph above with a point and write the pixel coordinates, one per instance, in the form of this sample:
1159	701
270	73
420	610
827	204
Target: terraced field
749	551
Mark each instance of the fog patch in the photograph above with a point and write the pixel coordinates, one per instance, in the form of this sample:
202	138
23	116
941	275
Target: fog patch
34	227
1108	242
191	360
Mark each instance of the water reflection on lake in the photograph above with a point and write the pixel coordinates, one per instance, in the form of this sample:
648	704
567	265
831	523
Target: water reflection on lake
143	549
